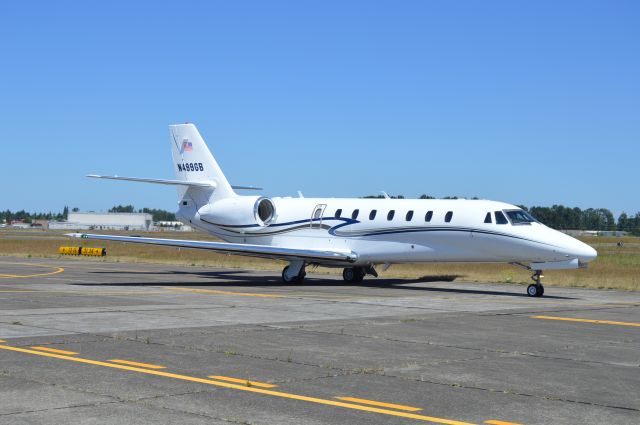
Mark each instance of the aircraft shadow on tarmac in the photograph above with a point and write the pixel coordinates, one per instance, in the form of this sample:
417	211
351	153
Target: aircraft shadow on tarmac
242	280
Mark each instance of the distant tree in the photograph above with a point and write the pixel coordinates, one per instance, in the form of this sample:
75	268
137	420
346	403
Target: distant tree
65	212
22	215
75	209
423	196
122	209
159	215
634	225
609	221
623	222
382	197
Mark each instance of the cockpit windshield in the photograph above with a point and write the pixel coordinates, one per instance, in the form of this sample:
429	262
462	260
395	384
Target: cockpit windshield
520	217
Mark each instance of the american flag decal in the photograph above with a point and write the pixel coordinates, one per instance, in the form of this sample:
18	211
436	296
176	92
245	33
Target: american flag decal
187	146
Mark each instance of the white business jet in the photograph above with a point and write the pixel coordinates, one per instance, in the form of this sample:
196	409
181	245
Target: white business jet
354	234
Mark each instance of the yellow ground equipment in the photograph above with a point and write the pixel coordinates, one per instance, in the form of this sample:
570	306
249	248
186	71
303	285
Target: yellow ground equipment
82	250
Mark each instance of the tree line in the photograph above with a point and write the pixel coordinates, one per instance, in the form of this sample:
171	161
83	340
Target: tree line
157	214
7	216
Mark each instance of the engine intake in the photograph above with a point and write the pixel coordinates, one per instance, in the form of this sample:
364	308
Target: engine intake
264	211
240	211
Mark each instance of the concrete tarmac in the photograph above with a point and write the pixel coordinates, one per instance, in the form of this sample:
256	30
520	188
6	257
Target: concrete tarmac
89	342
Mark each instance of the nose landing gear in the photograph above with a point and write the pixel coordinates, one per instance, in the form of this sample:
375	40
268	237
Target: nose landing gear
536	289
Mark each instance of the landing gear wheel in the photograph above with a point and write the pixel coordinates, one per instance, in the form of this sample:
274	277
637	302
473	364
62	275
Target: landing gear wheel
536	289
296	279
353	274
533	290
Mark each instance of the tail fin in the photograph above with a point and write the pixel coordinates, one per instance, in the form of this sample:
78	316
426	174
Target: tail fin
193	161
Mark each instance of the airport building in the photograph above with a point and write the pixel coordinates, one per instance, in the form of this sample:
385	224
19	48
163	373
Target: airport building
104	221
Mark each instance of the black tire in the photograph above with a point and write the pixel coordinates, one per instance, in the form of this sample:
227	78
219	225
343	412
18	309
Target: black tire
360	274
541	291
297	279
533	290
348	274
353	274
284	275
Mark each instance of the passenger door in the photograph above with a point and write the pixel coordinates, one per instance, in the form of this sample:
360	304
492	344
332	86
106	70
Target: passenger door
316	216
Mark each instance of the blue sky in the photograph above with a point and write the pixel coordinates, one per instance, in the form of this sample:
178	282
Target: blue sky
532	103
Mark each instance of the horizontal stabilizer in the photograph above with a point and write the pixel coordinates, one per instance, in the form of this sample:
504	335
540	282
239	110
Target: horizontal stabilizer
208	184
263	251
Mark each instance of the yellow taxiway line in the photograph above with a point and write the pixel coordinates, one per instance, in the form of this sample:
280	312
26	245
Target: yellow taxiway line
239	387
130	363
242	381
380	403
18	276
80	293
599	322
494	422
218	292
55	350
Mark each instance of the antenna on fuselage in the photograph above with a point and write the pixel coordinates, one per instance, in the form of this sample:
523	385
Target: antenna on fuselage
300	195
386	196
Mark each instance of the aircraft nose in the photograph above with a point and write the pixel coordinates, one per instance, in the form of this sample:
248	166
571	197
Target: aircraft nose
584	252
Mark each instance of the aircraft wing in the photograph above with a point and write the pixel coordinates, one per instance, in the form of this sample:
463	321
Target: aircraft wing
263	251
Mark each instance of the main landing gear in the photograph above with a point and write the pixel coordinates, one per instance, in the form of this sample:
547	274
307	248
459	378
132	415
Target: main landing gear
357	274
353	274
294	272
536	289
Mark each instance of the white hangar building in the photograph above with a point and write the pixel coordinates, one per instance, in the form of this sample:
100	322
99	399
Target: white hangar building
105	221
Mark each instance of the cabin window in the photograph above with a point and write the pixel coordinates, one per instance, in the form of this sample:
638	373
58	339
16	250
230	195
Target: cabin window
487	218
428	216
338	212
520	217
355	213
500	218
372	214
447	216
409	215
390	215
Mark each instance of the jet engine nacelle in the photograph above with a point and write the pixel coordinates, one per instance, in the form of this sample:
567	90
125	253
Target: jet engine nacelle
239	211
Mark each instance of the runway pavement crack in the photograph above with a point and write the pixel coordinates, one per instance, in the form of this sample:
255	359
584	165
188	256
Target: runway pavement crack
75	406
515	393
539	354
64	331
560	310
144	401
288	359
113	399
